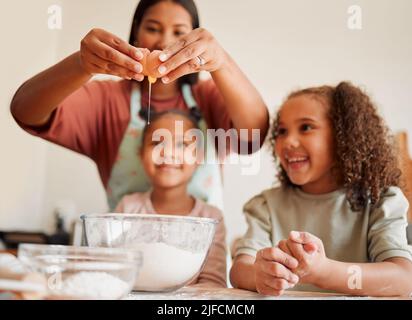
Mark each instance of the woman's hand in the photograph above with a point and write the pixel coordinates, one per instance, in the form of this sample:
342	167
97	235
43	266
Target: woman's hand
273	272
103	52
196	51
308	250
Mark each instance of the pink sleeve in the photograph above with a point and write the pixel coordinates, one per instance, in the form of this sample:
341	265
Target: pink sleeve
91	121
75	122
214	271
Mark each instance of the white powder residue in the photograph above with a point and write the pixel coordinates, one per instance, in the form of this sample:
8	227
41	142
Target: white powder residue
93	285
10	262
165	266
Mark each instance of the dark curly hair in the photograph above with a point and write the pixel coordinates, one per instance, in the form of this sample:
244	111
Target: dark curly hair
365	159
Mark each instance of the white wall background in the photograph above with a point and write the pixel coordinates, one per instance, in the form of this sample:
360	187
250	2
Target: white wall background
281	45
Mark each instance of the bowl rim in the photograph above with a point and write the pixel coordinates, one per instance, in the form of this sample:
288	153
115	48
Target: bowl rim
162	217
109	253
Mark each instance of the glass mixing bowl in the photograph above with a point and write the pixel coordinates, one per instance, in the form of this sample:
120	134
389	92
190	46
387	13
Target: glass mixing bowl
69	272
174	248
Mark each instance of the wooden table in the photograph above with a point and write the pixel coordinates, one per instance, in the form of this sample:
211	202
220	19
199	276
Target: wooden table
11	251
199	293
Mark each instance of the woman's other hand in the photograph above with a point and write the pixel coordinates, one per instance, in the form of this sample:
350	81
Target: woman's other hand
194	52
104	53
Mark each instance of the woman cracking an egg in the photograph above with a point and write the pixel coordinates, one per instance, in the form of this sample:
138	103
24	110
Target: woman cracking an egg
104	120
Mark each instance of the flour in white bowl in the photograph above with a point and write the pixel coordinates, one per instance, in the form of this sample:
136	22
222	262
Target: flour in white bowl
165	266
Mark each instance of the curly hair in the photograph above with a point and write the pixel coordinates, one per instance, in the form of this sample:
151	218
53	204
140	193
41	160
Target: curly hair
365	159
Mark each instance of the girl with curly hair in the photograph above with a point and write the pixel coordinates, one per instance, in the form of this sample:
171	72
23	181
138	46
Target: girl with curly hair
340	189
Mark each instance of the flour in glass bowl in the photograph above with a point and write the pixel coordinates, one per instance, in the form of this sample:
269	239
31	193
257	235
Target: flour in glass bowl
92	285
166	267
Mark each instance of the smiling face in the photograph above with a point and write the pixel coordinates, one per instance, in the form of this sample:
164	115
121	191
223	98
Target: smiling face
168	155
304	144
163	24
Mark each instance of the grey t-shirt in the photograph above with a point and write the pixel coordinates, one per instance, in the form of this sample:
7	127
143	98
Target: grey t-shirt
348	236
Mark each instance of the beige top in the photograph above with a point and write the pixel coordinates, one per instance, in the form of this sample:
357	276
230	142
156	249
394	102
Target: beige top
214	271
348	236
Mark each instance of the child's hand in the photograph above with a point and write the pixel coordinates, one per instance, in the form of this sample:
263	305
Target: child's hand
272	271
309	252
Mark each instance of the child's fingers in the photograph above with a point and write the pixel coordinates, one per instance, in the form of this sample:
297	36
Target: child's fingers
264	289
275	269
296	250
303	237
311	244
277	255
310	248
284	247
277	283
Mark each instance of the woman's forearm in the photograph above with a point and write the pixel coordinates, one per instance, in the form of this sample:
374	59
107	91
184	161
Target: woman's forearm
245	105
392	277
36	99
